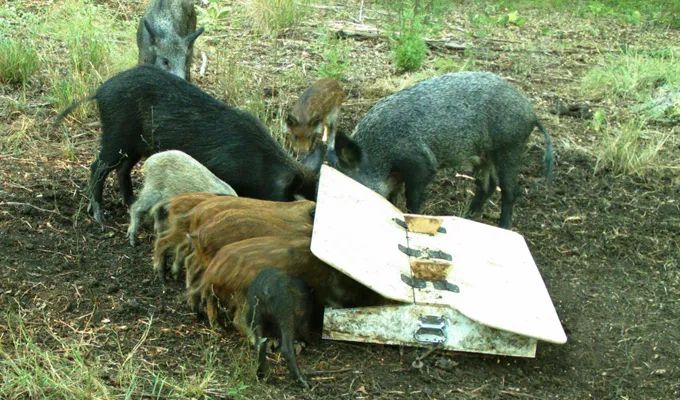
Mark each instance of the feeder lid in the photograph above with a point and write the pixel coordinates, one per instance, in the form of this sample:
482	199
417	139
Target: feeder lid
491	279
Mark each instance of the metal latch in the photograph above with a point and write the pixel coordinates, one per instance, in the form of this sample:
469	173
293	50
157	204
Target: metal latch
431	329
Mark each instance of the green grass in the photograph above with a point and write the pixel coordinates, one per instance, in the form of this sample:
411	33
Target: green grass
634	147
19	61
69	366
631	143
633	76
335	53
213	17
237	87
87	46
274	16
628	11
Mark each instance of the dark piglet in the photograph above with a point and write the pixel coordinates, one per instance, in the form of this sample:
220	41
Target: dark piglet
145	110
282	306
466	120
166	35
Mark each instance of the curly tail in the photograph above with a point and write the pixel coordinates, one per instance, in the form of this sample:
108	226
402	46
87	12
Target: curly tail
549	154
75	104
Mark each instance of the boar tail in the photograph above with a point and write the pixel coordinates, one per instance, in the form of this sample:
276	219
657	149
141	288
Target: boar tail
72	107
548	158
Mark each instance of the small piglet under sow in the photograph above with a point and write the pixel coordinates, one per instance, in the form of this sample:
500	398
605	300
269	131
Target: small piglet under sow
466	120
168	174
145	110
166	35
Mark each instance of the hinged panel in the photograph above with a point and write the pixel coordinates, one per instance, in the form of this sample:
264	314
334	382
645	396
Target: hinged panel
491	279
423	326
356	233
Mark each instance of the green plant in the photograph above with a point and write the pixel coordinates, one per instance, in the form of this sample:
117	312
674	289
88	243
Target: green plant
237	87
19	60
511	18
409	47
88	52
599	120
334	64
213	16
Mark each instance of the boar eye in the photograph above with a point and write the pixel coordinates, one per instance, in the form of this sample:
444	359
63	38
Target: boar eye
165	62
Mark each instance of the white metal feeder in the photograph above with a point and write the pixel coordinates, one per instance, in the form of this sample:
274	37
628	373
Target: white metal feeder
465	285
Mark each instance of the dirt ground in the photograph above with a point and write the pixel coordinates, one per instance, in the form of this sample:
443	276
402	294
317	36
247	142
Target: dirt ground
606	245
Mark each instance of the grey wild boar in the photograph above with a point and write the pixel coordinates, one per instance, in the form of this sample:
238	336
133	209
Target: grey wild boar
168	174
166	35
469	120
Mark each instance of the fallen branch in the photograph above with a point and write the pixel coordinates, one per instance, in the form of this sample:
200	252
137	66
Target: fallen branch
364	32
15	203
329	372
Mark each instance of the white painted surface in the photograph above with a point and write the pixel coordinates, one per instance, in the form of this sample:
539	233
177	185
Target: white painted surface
499	283
397	325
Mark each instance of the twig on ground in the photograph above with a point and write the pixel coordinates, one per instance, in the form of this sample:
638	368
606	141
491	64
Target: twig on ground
329	372
16	203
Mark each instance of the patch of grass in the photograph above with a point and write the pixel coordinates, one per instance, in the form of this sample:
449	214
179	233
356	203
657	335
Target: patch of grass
214	16
19	60
630	11
409	47
335	54
30	370
633	148
70	367
66	89
273	16
91	43
632	76
20	134
238	88
444	65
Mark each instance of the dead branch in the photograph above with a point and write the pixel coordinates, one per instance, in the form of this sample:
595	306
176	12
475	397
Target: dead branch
329	372
15	203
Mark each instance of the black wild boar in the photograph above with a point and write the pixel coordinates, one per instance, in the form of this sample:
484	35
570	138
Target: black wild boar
146	110
166	35
282	306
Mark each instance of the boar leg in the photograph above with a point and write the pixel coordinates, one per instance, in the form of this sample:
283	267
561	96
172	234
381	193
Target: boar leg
288	351
99	170
507	180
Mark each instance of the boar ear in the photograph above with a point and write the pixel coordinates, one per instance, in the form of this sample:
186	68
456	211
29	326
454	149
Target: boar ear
189	39
348	151
152	33
291	121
